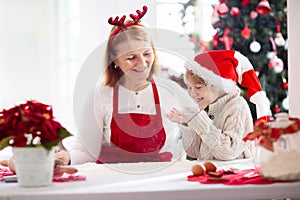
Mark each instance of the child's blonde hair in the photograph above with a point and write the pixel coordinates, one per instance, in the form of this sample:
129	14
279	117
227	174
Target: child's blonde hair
189	75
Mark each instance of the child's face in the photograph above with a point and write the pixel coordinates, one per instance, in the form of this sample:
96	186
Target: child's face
200	93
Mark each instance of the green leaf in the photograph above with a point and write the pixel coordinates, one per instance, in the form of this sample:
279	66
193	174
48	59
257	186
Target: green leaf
63	133
5	142
48	145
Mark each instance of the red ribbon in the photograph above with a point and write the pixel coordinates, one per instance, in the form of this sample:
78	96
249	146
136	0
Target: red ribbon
266	135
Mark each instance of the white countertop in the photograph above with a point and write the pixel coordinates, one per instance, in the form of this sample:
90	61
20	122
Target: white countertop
149	181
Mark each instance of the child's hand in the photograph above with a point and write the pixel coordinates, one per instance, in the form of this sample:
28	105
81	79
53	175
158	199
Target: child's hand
179	117
175	115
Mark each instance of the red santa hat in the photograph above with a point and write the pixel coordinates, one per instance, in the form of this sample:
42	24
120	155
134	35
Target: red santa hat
224	69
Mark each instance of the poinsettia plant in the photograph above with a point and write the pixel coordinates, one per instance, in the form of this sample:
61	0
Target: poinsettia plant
30	124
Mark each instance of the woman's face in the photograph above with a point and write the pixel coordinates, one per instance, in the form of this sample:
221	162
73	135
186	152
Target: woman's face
135	60
200	93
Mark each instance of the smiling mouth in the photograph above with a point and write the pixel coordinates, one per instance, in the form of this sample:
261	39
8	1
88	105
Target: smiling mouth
139	70
199	99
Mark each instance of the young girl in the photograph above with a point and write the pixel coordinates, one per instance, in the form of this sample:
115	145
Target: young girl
216	130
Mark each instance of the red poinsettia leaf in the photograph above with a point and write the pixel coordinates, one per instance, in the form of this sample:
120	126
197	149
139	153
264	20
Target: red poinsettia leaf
49	131
20	141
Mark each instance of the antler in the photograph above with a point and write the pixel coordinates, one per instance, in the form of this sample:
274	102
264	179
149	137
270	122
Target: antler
139	15
116	21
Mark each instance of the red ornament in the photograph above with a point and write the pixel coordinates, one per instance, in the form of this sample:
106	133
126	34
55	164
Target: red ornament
246	32
222	9
193	39
276	109
253	14
263	7
245	2
235	11
228	41
277	64
285	85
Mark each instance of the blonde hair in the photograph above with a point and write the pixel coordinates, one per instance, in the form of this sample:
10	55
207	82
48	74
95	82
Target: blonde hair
111	74
189	75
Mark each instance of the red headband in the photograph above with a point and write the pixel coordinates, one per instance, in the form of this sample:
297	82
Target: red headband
121	25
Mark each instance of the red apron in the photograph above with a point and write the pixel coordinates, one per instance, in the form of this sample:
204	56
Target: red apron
135	137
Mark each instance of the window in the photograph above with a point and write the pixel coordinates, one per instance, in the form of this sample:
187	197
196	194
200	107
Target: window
67	27
68	33
185	18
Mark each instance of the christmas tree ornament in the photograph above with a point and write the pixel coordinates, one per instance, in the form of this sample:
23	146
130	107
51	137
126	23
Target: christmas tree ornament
222	9
279	40
228	41
285	85
284	82
270	54
253	14
245	2
255	46
276	109
215	17
246	32
276	64
285	103
235	11
257	73
263	7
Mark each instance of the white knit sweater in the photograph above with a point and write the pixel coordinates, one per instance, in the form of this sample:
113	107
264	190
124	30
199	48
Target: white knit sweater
221	136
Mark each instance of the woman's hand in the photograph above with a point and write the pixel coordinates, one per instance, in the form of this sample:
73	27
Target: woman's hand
183	117
10	163
62	155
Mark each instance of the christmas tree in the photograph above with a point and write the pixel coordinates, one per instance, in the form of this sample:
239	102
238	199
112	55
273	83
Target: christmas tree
257	29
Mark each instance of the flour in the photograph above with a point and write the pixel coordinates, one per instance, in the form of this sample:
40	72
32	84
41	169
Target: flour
282	165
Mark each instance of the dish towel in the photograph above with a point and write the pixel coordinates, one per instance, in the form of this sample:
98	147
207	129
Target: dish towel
63	178
240	177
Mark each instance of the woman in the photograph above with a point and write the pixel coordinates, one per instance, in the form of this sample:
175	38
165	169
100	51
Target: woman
130	103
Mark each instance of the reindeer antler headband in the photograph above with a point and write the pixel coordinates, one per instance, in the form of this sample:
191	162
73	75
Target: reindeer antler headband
120	23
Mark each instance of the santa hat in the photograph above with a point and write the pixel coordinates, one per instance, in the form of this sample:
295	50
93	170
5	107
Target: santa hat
224	69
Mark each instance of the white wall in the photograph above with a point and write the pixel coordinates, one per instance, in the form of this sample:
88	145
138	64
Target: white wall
293	57
26	53
26	50
94	28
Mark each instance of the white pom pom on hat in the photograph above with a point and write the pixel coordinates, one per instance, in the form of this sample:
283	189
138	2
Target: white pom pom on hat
224	69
